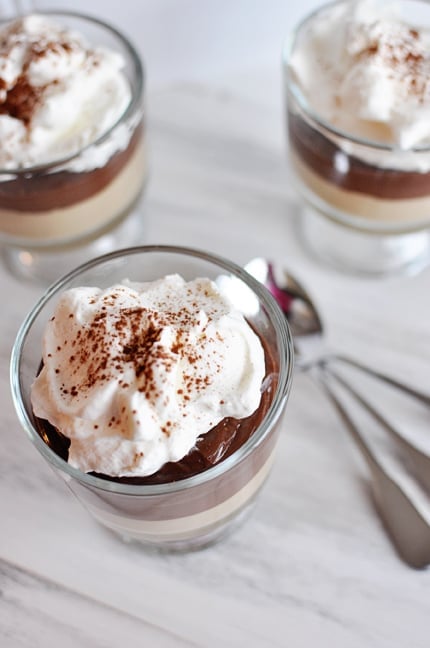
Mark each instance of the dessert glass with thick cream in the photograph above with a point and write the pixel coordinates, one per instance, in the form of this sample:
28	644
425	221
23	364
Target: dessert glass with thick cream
72	163
357	78
164	372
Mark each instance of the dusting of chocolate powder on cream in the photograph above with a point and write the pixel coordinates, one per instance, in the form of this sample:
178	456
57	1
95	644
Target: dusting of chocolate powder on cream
136	333
404	55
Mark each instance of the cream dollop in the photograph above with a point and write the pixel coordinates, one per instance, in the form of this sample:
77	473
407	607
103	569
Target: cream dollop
58	94
135	373
365	68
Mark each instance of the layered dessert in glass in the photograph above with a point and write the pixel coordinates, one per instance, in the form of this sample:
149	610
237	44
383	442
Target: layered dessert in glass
154	379
358	102
72	162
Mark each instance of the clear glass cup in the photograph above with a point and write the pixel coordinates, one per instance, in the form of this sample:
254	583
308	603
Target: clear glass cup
366	204
57	215
197	510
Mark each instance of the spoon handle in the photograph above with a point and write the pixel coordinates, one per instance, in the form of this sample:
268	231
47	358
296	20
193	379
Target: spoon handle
421	396
419	461
408	529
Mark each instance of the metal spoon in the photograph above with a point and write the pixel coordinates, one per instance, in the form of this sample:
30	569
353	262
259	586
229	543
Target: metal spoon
305	321
408	529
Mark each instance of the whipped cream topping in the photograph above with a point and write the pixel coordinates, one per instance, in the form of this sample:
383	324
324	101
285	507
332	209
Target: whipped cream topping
365	69
135	373
58	94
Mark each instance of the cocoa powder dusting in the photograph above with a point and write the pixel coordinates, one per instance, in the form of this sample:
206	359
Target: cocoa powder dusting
136	332
405	56
20	98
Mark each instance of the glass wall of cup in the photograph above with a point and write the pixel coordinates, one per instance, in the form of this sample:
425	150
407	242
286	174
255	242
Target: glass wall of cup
178	513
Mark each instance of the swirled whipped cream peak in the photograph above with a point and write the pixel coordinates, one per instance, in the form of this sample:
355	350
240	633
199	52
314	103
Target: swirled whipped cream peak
135	373
57	92
365	68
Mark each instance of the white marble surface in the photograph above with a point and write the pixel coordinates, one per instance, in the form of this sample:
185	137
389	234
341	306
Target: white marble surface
313	566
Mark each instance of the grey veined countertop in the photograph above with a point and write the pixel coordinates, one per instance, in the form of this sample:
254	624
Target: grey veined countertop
313	565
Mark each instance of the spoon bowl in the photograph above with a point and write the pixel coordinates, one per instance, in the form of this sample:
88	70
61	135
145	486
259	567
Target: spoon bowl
307	326
293	299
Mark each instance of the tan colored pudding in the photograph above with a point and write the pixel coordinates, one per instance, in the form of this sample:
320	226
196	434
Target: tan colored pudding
399	213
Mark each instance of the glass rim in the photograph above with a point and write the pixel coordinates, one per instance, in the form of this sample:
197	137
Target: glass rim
137	93
286	362
294	88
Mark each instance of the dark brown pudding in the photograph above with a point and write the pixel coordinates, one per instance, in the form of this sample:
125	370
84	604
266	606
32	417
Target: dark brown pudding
40	191
319	152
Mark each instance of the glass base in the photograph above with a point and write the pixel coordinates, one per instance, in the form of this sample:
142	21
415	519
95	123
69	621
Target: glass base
364	253
44	265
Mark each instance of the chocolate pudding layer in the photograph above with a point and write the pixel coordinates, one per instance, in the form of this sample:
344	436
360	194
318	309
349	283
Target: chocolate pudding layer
319	153
46	191
351	191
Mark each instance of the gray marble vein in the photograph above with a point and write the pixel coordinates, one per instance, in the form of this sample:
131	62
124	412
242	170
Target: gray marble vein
36	612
